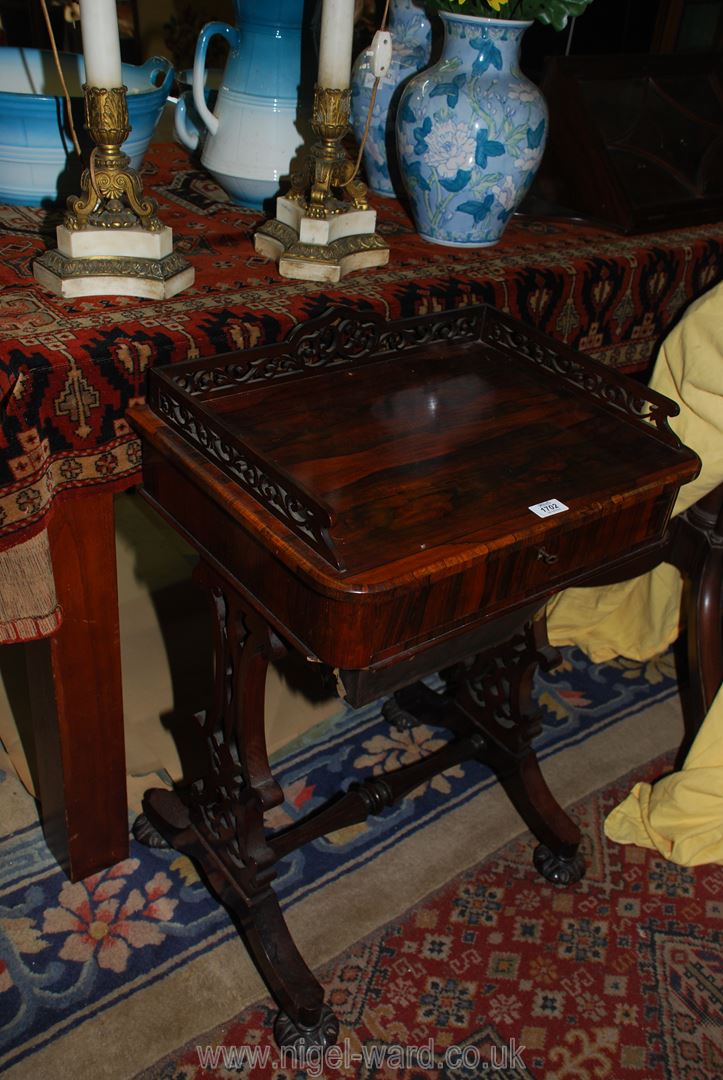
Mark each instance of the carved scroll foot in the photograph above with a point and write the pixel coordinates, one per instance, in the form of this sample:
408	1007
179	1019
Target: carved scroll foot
557	868
324	1033
257	910
148	834
398	717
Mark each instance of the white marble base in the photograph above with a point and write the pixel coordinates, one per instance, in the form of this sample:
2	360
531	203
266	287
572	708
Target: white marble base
114	262
93	242
153	279
301	269
327	263
349	222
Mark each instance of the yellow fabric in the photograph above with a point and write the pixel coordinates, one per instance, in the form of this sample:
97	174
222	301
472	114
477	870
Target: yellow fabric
681	816
640	617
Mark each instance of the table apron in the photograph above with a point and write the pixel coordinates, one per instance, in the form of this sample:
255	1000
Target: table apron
357	630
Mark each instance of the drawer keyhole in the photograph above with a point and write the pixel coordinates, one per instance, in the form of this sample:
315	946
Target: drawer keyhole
546	557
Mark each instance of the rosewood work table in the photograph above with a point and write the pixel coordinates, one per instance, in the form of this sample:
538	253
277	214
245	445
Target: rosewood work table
390	500
71	370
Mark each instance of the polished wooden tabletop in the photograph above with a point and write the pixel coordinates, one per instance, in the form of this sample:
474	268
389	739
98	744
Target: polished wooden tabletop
377	495
431	453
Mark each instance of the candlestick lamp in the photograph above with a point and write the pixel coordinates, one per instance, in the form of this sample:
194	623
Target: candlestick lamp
111	242
317	234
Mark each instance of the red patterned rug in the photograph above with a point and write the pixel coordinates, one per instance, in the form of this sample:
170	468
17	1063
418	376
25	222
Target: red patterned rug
618	976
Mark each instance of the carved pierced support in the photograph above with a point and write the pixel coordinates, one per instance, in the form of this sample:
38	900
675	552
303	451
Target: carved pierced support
496	693
492	697
219	820
495	690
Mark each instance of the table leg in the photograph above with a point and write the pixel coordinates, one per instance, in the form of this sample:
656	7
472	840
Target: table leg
219	820
697	551
492	696
76	695
496	693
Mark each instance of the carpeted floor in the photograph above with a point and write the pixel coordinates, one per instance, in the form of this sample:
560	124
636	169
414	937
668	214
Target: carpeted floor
107	977
620	976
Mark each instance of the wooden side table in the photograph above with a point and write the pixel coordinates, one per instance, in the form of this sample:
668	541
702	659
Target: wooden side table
391	500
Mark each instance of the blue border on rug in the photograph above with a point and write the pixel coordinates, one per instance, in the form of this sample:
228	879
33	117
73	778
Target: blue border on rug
70	952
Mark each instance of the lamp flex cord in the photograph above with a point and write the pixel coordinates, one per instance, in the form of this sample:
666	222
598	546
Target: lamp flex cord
367	126
66	93
59	67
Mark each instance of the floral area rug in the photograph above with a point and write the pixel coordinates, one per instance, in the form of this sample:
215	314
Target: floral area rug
102	978
618	976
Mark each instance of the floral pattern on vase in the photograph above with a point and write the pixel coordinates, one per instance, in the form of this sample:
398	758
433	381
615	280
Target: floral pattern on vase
411	46
470	133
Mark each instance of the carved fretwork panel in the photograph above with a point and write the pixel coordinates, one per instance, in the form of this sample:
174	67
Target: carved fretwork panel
621	394
228	801
340	338
258	477
495	689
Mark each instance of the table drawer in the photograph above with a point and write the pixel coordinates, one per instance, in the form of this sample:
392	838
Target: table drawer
514	575
562	556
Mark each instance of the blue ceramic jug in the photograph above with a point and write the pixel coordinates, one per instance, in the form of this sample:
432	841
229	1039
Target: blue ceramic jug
258	121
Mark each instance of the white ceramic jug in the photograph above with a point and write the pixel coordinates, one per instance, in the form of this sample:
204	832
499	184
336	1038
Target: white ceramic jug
260	120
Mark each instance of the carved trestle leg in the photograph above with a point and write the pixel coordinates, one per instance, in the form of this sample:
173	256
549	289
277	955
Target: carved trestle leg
493	697
697	552
219	820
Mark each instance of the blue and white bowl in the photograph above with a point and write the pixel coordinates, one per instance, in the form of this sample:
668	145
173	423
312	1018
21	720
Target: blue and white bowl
38	163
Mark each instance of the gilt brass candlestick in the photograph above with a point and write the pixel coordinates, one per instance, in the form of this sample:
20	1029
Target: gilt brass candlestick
324	227
328	167
111	242
112	191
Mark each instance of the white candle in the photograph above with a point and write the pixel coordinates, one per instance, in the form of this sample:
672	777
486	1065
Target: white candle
337	31
101	43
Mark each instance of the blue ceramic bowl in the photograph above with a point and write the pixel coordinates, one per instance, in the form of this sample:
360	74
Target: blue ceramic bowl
38	164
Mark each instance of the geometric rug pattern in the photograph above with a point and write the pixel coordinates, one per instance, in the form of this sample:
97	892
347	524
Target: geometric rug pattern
73	955
618	976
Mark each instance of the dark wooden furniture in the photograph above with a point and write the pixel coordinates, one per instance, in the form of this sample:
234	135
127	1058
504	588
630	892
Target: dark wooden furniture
379	497
69	372
684	25
75	688
636	142
695	547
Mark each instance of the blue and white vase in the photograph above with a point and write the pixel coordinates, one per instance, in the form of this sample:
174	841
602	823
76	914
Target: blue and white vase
411	47
470	133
